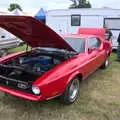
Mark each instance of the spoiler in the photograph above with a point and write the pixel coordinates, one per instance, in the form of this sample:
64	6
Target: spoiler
92	31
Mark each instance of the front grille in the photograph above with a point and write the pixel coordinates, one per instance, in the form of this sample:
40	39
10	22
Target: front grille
13	84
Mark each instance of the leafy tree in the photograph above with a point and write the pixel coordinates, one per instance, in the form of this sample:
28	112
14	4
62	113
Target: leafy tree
13	6
80	4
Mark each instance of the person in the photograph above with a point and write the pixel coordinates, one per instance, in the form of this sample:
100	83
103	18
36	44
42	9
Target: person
108	34
118	49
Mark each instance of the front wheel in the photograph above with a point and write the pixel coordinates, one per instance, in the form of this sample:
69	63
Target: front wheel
71	93
105	64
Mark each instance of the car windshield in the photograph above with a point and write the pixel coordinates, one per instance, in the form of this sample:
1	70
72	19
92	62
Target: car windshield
78	44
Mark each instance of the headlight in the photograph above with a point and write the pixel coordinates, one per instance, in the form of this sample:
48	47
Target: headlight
35	90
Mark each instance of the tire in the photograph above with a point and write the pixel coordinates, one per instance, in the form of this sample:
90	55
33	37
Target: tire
105	64
71	93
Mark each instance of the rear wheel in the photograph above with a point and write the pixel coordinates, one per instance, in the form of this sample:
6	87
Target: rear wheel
71	92
105	64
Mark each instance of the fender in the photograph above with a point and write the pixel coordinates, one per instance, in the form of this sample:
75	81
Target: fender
73	75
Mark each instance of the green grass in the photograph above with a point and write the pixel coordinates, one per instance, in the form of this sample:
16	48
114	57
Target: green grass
99	100
18	49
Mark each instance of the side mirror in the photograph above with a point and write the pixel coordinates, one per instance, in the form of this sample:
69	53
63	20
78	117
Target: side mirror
90	50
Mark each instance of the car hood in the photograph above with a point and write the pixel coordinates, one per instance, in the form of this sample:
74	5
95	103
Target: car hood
33	32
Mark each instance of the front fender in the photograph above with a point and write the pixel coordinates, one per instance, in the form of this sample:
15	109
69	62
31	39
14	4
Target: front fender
73	75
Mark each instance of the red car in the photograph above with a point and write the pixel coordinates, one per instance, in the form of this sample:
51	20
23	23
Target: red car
57	64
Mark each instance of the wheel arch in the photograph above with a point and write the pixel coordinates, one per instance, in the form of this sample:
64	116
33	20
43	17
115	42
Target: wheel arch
77	74
109	54
64	97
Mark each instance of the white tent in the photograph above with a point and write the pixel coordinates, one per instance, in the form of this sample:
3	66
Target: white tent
17	12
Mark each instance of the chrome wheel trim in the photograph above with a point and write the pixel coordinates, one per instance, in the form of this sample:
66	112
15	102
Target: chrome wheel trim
106	63
73	90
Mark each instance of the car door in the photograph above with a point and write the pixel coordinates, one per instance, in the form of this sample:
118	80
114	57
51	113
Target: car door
100	57
90	61
95	53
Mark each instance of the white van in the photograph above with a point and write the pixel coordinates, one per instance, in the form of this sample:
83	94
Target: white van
70	20
7	40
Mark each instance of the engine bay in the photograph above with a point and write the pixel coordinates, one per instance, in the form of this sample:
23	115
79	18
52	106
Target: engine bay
36	64
31	65
20	72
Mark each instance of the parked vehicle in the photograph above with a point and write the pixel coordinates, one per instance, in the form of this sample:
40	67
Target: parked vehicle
7	40
69	20
56	66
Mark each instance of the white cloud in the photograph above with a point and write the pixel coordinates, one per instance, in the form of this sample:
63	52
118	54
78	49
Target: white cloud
107	3
57	4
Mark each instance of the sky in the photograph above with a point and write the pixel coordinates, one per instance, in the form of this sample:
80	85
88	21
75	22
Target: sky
57	4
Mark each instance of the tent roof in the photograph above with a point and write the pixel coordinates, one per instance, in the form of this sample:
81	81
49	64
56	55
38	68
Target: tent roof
41	14
17	12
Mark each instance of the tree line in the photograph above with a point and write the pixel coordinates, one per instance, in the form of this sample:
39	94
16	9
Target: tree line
75	4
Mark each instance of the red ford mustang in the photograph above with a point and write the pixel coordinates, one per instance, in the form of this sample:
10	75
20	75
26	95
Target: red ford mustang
57	64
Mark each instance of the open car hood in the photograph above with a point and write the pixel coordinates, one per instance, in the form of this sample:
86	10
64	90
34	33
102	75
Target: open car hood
33	32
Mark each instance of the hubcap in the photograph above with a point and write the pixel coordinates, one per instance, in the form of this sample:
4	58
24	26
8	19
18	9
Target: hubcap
106	63
74	88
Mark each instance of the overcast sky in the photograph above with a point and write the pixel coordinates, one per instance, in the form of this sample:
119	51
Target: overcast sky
57	4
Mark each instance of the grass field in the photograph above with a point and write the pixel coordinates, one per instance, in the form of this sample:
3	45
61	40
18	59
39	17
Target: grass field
99	100
17	49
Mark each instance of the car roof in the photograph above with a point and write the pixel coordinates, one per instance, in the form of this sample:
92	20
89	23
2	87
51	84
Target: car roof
77	35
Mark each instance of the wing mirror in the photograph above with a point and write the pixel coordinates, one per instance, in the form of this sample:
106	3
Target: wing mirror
90	50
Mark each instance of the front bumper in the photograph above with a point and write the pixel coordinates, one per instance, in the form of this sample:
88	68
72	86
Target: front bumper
21	94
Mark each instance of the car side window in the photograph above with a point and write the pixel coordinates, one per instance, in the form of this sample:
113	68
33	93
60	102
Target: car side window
77	44
94	42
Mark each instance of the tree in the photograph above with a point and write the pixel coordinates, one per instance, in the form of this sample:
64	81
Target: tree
80	4
13	6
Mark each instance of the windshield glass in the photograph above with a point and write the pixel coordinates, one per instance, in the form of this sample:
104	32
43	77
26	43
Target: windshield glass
78	44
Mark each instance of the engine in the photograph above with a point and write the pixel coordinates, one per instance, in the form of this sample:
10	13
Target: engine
38	64
22	71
